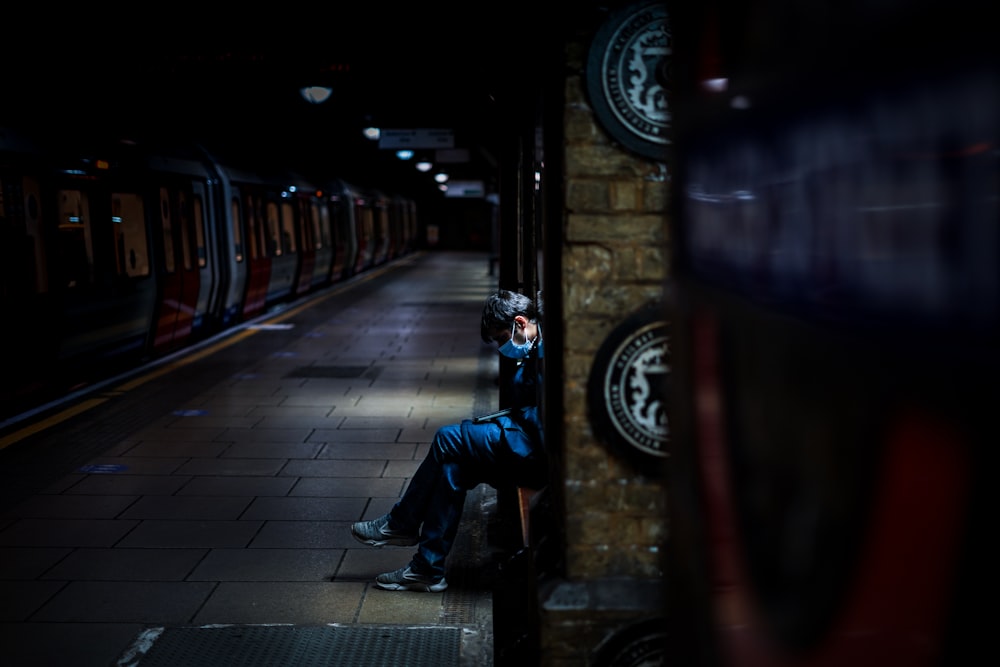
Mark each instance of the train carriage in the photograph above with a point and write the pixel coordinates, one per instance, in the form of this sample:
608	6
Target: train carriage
119	251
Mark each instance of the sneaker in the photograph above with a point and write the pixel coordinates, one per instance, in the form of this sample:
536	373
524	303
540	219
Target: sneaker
405	579
378	534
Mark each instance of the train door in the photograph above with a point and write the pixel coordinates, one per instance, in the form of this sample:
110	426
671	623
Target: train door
233	255
398	226
410	227
281	222
205	254
180	212
413	226
319	215
364	220
833	432
339	205
306	229
380	222
251	206
225	245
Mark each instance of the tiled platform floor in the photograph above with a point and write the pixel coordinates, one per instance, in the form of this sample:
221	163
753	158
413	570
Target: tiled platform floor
218	487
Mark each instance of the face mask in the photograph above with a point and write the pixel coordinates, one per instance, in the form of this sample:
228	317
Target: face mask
513	350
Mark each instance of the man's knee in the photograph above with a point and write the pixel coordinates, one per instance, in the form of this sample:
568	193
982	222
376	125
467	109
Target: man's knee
447	442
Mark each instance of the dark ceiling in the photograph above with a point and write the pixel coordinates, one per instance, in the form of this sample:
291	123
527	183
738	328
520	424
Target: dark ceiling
234	79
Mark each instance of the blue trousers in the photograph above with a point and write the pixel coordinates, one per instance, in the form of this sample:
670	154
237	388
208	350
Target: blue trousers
461	457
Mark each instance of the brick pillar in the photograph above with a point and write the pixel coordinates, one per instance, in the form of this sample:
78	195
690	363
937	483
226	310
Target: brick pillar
614	261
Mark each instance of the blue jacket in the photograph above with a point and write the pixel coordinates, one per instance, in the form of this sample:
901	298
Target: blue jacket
522	428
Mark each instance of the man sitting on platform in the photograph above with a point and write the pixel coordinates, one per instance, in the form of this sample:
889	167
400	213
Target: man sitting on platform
505	449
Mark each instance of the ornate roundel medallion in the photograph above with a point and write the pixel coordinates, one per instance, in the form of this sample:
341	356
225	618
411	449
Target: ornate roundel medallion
642	644
628	71
627	387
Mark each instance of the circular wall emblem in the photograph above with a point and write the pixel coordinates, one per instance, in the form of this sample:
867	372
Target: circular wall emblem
628	77
627	387
642	644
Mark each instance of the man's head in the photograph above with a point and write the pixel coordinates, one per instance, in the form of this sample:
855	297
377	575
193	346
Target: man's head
507	314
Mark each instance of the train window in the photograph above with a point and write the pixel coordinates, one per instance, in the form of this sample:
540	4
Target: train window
75	245
198	215
167	227
288	227
237	230
185	223
129	223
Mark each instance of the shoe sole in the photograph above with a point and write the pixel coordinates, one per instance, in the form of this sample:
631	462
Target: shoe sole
390	541
414	586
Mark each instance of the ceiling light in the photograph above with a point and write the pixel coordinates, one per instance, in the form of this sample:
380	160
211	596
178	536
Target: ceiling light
740	102
372	133
718	85
316	94
404	154
423	165
441	177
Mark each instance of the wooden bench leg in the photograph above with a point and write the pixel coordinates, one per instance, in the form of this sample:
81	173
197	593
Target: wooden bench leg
524	496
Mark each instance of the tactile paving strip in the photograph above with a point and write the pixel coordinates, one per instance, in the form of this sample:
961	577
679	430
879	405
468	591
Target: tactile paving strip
331	646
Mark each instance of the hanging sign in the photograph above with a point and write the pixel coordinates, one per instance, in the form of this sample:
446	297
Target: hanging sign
417	138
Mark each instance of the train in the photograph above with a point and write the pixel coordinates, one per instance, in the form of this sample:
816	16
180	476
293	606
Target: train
118	251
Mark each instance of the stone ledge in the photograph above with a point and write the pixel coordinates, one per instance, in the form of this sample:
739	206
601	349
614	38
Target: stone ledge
612	595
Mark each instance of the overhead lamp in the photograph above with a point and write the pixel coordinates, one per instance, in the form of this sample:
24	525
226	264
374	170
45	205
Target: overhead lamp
404	154
443	187
441	177
740	102
423	166
316	94
372	133
716	85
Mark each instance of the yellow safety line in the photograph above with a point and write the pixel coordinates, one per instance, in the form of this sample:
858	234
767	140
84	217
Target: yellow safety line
174	365
48	422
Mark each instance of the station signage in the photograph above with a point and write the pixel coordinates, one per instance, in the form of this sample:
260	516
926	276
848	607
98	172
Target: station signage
417	138
465	189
